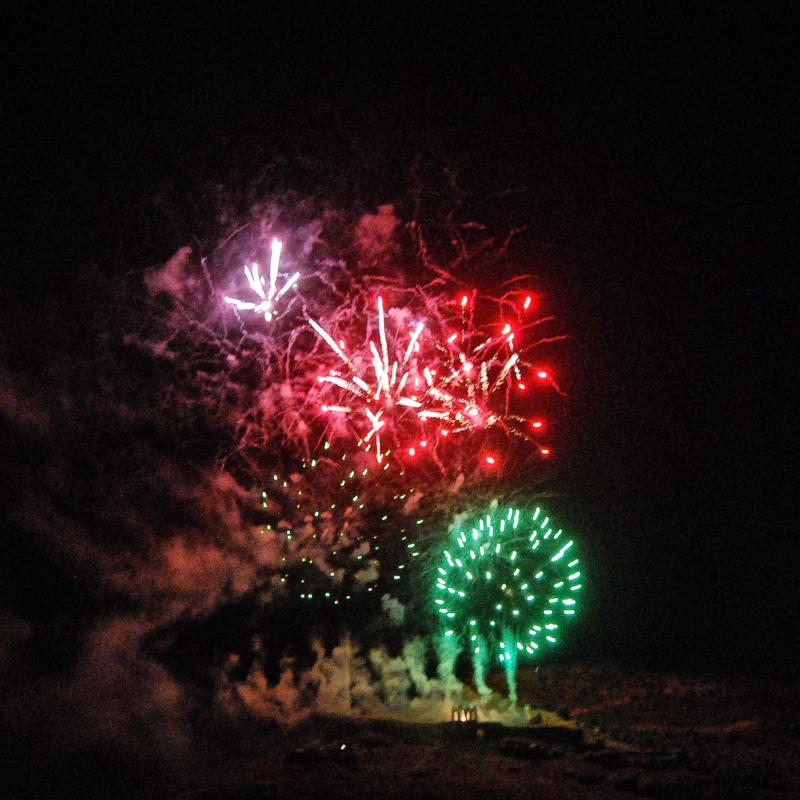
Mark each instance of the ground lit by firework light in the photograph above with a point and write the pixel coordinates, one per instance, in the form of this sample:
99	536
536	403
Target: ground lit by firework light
269	294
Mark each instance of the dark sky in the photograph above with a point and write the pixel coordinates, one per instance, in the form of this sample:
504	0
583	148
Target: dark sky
651	146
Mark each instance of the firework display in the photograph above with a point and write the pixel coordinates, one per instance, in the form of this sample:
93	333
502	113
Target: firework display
418	384
339	533
507	581
268	294
393	386
422	393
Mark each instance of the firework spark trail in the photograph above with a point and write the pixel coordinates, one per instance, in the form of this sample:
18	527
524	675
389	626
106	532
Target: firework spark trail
340	530
457	388
272	294
471	376
506	584
387	384
437	368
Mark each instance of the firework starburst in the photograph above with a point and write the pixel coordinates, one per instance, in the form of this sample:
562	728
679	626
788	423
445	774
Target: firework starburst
269	293
389	391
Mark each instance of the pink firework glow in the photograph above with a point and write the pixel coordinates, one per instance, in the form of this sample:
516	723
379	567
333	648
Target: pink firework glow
429	373
421	381
392	391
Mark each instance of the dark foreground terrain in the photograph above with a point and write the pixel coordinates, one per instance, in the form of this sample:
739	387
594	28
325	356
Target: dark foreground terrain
596	732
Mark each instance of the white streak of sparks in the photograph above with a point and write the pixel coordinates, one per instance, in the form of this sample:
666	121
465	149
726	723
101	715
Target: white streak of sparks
506	369
273	266
414	337
382	329
256	282
331	343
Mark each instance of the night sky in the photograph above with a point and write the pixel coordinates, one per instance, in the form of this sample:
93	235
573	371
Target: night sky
644	150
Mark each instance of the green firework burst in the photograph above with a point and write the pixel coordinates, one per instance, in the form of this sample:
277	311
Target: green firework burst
506	583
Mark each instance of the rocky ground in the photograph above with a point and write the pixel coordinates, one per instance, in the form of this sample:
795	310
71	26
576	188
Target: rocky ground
594	732
599	732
